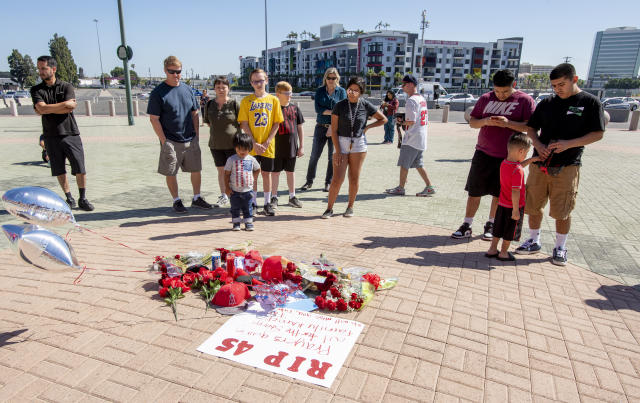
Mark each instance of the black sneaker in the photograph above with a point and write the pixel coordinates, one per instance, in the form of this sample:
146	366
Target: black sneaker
178	207
463	232
200	203
85	205
306	186
528	247
294	202
236	227
268	210
559	257
487	235
274	202
71	202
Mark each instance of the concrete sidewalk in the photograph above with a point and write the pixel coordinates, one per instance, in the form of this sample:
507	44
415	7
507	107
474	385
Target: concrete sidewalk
458	327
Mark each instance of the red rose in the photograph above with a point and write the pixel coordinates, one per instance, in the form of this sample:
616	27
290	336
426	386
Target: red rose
358	305
331	305
331	278
324	294
374	279
320	302
322	286
334	292
189	278
354	295
341	305
164	291
177	256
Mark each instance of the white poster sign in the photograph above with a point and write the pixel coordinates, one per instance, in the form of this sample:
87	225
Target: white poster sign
302	345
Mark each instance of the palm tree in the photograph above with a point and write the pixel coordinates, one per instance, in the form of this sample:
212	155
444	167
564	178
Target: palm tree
397	77
382	74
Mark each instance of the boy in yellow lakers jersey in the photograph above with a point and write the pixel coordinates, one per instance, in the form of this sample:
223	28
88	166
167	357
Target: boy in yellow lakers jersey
260	116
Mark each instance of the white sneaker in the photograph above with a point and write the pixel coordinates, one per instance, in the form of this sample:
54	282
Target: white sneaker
223	200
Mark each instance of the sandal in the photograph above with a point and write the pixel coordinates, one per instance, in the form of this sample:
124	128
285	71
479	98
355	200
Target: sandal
510	258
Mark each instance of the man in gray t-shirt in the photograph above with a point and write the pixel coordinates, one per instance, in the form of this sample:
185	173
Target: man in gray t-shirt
173	111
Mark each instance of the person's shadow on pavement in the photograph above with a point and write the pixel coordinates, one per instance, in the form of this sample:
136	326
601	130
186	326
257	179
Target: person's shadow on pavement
617	297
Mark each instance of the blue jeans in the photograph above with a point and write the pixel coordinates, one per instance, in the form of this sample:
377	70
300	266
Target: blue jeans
389	128
241	202
319	140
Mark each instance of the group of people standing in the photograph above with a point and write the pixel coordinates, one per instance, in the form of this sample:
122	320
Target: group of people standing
559	128
263	135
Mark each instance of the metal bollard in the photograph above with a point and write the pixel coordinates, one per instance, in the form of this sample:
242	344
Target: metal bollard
14	108
87	105
635	117
445	114
112	108
136	108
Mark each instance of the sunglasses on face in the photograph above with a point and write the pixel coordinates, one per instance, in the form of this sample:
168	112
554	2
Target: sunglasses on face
353	91
174	71
332	78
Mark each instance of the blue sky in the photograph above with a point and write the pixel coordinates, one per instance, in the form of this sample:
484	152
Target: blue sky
208	36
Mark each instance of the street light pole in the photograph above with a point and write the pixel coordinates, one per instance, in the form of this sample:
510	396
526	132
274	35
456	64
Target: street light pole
266	49
125	62
100	53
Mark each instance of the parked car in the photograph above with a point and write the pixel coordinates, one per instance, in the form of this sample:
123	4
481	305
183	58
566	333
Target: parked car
444	100
311	94
541	96
633	103
9	94
616	103
142	95
468	99
22	94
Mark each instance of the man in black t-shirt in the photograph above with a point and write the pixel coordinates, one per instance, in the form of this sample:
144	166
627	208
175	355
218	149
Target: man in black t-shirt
54	100
567	122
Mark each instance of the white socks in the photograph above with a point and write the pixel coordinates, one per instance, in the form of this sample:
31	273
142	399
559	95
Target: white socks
175	199
267	197
561	240
469	220
292	194
491	220
195	197
535	235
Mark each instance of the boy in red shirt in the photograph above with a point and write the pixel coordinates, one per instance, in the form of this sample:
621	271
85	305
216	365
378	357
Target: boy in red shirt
508	222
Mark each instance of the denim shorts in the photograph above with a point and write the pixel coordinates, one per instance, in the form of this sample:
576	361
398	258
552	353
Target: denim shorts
350	145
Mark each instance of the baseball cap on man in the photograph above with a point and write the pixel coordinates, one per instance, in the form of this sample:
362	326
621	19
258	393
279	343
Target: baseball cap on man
410	79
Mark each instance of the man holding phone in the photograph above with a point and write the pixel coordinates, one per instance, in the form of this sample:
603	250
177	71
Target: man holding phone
498	114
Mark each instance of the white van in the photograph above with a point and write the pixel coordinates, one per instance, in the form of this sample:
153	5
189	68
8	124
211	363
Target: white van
426	89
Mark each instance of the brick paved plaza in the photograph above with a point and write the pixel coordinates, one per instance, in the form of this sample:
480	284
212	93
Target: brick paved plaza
457	327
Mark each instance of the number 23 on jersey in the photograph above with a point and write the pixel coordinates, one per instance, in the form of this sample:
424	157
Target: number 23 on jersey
261	119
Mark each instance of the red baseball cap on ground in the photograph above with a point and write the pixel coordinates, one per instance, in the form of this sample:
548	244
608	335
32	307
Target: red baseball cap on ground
232	294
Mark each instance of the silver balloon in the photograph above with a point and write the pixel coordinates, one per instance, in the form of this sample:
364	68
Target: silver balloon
14	232
41	247
38	205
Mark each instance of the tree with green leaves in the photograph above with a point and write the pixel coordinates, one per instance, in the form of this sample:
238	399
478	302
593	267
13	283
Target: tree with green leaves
67	69
397	77
118	72
22	69
623	83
